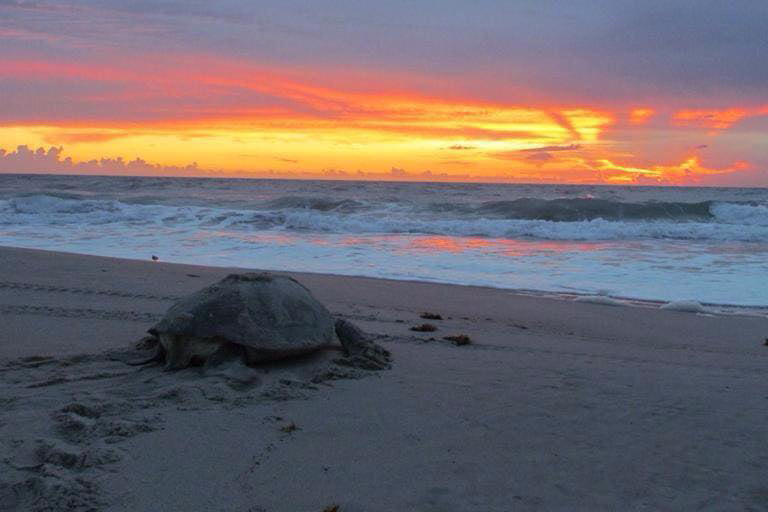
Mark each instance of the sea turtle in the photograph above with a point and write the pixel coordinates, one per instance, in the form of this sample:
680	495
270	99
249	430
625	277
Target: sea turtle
259	317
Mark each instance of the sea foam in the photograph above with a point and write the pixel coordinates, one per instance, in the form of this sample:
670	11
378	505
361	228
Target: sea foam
728	222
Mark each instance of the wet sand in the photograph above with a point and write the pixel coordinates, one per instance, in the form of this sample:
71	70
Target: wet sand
555	405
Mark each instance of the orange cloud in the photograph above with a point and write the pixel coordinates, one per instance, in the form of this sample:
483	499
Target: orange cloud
639	116
75	137
715	120
290	101
588	123
688	172
216	111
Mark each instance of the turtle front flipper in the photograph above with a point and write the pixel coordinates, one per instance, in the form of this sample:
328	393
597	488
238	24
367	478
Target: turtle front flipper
181	352
361	352
146	343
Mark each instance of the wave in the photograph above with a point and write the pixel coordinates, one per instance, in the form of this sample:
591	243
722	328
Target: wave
745	213
580	209
560	219
322	204
589	230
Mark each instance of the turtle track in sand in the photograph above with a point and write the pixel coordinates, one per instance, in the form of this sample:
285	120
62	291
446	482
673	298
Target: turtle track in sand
38	287
64	421
84	312
88	313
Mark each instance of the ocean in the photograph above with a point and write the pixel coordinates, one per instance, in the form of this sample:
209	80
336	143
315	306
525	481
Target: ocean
645	243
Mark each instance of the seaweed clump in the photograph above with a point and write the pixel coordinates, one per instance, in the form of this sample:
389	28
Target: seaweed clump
459	340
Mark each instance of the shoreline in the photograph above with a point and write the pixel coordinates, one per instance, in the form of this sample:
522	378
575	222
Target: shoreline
569	296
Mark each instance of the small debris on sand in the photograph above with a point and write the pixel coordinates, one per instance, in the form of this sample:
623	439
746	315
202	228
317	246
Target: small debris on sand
331	508
424	328
461	339
521	326
155	258
766	342
289	428
193	275
431	316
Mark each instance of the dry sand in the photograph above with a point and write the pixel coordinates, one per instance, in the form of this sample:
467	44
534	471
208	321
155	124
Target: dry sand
556	405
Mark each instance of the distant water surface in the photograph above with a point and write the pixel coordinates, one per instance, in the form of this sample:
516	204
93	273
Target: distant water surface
657	243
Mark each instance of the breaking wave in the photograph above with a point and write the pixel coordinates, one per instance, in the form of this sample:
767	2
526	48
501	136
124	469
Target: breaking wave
571	210
556	219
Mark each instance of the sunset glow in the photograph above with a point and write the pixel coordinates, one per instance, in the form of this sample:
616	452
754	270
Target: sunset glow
204	112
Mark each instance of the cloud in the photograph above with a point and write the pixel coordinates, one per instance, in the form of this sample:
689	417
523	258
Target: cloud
95	9
540	157
24	159
674	45
20	3
589	50
460	147
230	92
745	177
713	119
239	12
639	116
570	147
67	137
691	171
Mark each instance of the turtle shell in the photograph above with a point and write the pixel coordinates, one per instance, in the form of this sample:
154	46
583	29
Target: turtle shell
271	316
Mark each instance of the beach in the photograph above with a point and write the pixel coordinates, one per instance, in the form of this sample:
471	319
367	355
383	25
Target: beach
376	257
555	405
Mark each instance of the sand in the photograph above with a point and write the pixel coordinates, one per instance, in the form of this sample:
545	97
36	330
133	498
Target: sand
556	405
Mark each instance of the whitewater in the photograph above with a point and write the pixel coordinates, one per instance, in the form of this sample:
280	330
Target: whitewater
648	243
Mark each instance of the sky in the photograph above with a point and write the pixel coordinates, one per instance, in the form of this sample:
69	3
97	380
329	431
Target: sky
595	91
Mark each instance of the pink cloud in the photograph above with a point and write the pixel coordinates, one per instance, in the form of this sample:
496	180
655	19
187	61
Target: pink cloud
41	160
